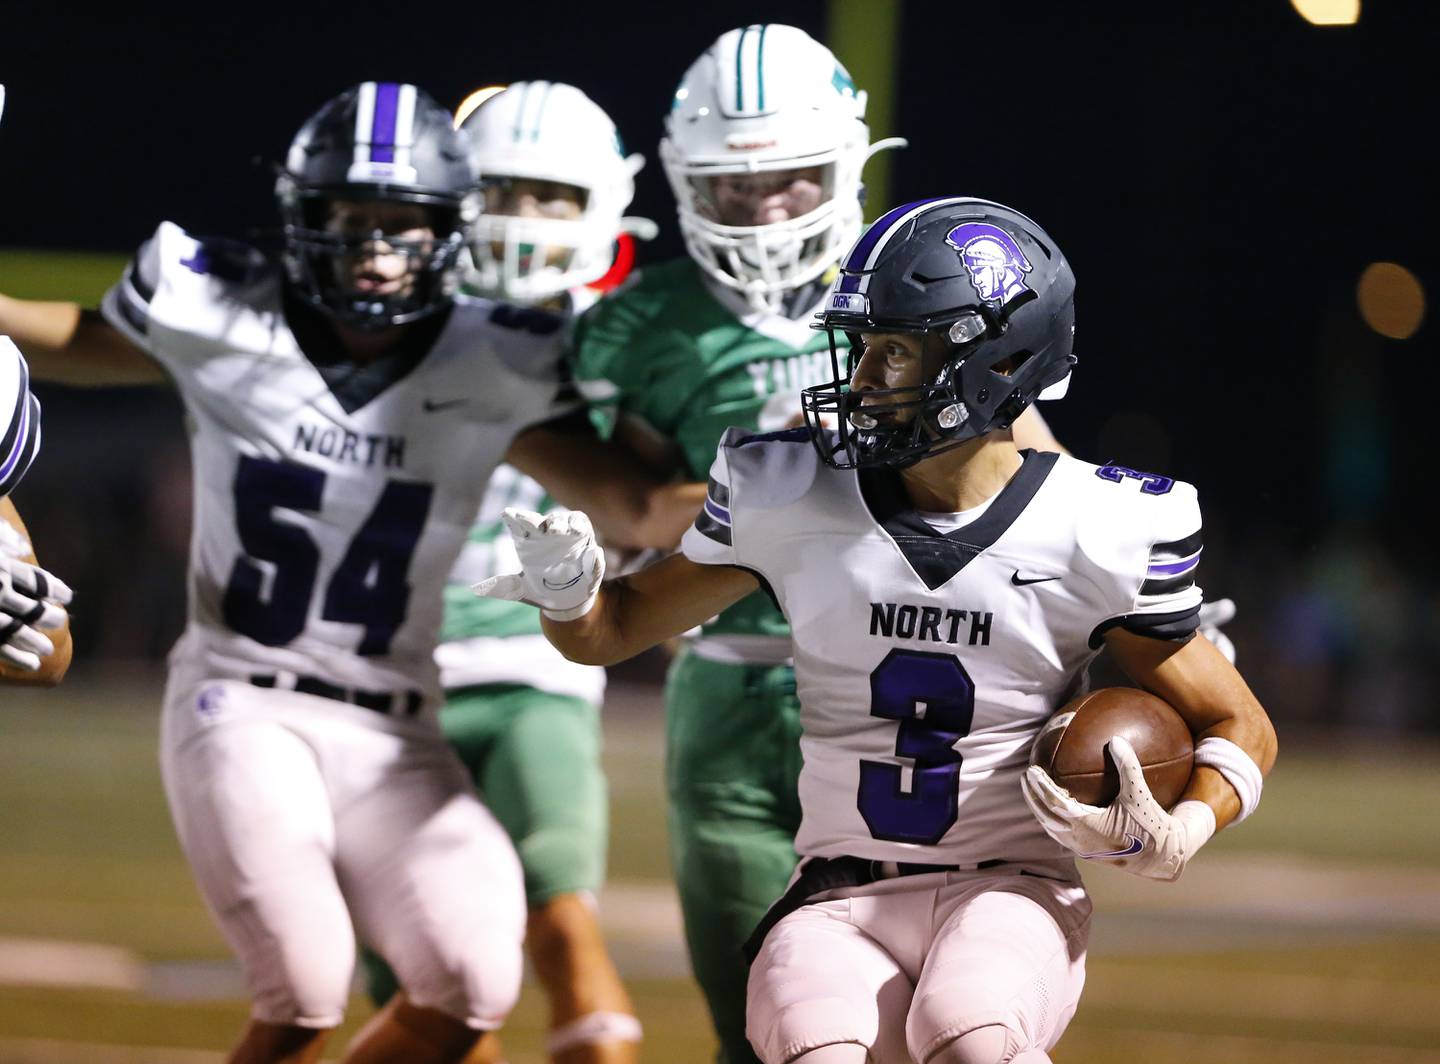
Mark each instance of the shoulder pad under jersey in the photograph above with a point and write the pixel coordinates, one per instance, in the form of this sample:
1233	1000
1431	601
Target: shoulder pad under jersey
1144	532
776	468
190	274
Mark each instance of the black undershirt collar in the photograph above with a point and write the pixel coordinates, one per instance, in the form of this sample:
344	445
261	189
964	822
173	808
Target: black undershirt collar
937	556
353	384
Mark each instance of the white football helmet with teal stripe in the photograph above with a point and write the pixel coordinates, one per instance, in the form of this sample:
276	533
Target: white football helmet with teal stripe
547	132
763	104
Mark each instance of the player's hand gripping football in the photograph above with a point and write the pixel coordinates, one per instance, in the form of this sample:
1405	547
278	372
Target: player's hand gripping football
562	565
30	600
1133	832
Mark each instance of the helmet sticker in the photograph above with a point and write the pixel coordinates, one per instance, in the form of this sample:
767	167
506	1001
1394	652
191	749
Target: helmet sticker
847	303
995	263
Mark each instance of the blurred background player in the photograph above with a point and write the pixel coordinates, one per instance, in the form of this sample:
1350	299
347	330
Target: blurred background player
346	411
555	183
934	918
765	142
34	628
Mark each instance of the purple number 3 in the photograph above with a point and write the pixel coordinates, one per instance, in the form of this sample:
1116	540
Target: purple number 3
1151	483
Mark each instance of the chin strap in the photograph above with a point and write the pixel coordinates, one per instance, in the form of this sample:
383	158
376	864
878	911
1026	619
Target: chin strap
593	1028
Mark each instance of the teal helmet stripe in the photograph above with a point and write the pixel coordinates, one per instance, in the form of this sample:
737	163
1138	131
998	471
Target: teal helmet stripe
739	70
520	110
760	69
540	109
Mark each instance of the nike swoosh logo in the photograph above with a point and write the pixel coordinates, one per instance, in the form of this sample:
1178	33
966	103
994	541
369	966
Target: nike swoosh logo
562	587
1020	581
1136	845
432	405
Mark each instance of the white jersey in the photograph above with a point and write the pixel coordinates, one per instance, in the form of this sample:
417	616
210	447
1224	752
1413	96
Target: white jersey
330	500
926	662
20	430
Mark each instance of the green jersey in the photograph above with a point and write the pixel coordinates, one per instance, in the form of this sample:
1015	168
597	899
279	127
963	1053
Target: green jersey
690	361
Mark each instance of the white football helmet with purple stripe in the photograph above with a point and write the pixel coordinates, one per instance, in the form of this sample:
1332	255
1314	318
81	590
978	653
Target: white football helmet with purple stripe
764	101
551	133
383	142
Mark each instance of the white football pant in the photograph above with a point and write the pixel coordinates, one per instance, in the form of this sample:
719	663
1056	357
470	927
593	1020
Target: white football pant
904	966
300	816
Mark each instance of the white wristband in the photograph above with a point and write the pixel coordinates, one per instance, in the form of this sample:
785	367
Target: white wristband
573	612
1236	766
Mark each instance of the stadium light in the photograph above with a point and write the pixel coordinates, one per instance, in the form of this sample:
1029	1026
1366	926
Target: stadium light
1328	12
474	100
1391	299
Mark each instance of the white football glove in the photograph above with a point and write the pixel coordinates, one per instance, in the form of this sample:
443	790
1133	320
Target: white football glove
561	564
1133	832
1212	616
30	599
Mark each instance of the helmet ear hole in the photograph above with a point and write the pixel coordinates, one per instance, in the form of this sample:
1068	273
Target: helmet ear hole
1012	364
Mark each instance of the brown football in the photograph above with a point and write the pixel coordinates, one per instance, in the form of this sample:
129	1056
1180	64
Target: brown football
1071	745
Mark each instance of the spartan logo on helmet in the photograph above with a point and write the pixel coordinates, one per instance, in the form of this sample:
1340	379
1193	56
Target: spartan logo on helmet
995	263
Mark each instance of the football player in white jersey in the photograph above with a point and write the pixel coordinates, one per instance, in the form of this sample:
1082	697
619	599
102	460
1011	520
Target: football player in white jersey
34	628
550	235
345	414
946	592
765	142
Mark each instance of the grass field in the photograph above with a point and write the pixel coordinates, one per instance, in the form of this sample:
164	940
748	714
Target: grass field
1310	934
74	275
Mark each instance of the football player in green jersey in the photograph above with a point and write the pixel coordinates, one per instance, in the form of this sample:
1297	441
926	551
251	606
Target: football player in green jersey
765	143
525	721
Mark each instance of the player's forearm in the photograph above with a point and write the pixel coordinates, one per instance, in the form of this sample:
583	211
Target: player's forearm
669	509
598	637
68	344
624	621
633	613
40	328
1214	700
585	473
1250	730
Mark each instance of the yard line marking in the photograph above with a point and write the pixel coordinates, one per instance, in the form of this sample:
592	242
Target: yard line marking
53	962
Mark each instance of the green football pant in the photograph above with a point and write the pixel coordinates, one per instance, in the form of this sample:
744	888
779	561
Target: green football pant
732	763
535	759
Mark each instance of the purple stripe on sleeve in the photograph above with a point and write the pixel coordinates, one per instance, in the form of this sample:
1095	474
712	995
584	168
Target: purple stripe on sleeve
22	438
718	512
382	132
1175	568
